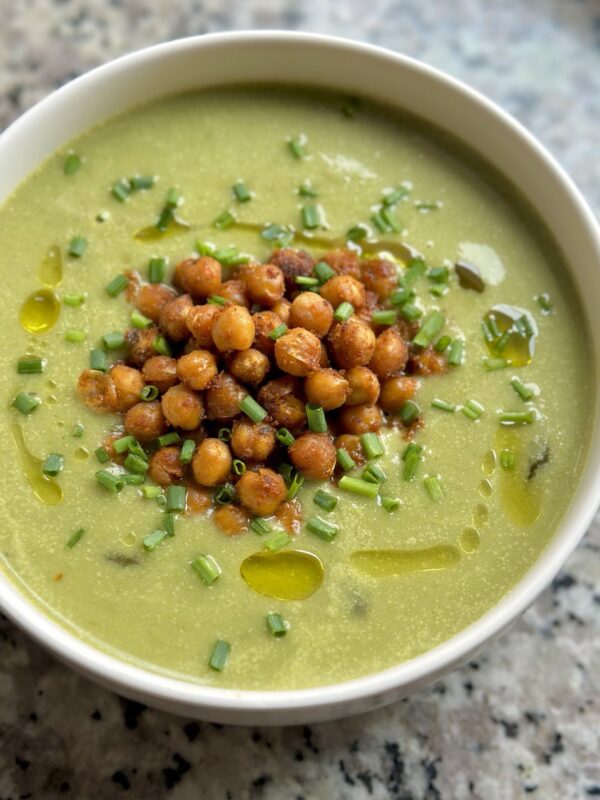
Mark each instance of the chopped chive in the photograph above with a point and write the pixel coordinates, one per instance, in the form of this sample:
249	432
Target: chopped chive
161	346
295	486
508	459
411	312
278	332
439	274
285	437
544	302
169	524
523	325
315	415
412	449
380	223
241	192
442	344
357	233
276	624
252	409
412	459
351	105
423	205
239	467
26	403
117	285
153	539
260	526
325	500
472	409
157	269
151	492
121	190
168	438
321	528
400	297
74	300
225	494
438	290
277	541
524	392
311	216
225	220
139	320
122	445
137	464
110	481
372	445
230	257
287	471
149	393
217	300
132	478
77	246
141	182
494	364
442	405
113	340
393	197
416	268
72	541
30	365
517	417
176	498
384	317
102	455
207	568
187	451
165	219
486	329
75	335
306	280
358	486
324	272
387	215
409	412
344	459
432	325
390	503
98	360
434	487
174	198
307	190
220	654
456	353
53	464
224	434
78	430
72	164
296	146
343	312
373	474
279	233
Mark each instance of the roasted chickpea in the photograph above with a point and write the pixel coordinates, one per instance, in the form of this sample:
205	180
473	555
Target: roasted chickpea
198	500
283	309
264	323
133	287
324	361
182	407
200	320
128	382
165	467
231	519
289	514
223	397
173	318
360	419
352	343
396	391
428	362
380	276
140	345
145	421
98	391
312	312
351	444
298	352
364	386
211	463
234	291
344	262
264	284
197	369
160	371
108	444
344	289
280	398
200	277
249	366
152	298
233	328
390	354
292	263
261	492
313	454
252	441
326	388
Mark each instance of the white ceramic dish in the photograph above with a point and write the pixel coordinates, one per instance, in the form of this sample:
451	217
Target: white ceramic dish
397	81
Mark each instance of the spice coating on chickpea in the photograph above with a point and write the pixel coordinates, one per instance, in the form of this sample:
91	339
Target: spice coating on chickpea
200	321
223	397
364	386
233	328
145	421
352	343
249	366
198	500
140	345
200	277
360	419
173	316
264	284
281	398
289	515
165	466
396	391
252	441
97	391
283	309
152	298
351	444
343	261
293	263
326	388
182	407
234	291
313	454
261	492
211	463
298	352
265	323
380	276
129	383
428	362
197	369
344	289
160	371
312	312
390	354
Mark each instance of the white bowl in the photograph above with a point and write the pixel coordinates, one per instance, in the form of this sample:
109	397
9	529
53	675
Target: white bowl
398	81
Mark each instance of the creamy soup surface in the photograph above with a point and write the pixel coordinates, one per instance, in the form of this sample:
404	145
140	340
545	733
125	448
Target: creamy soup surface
450	555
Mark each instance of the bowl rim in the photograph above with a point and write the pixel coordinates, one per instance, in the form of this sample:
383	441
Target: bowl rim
188	695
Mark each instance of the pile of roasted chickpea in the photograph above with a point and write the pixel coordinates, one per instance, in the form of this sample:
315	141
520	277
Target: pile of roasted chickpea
361	374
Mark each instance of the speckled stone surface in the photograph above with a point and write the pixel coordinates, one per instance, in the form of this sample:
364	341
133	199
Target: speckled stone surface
524	719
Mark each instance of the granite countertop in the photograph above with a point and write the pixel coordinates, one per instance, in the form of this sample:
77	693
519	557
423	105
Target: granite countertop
521	720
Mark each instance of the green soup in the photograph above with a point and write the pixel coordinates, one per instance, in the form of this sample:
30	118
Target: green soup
395	582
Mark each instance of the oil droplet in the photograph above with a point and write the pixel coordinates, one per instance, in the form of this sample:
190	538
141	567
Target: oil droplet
51	399
468	540
81	454
480	515
50	272
60	423
45	489
385	563
129	539
488	465
287	575
50	384
485	488
512	334
521	499
40	311
152	233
